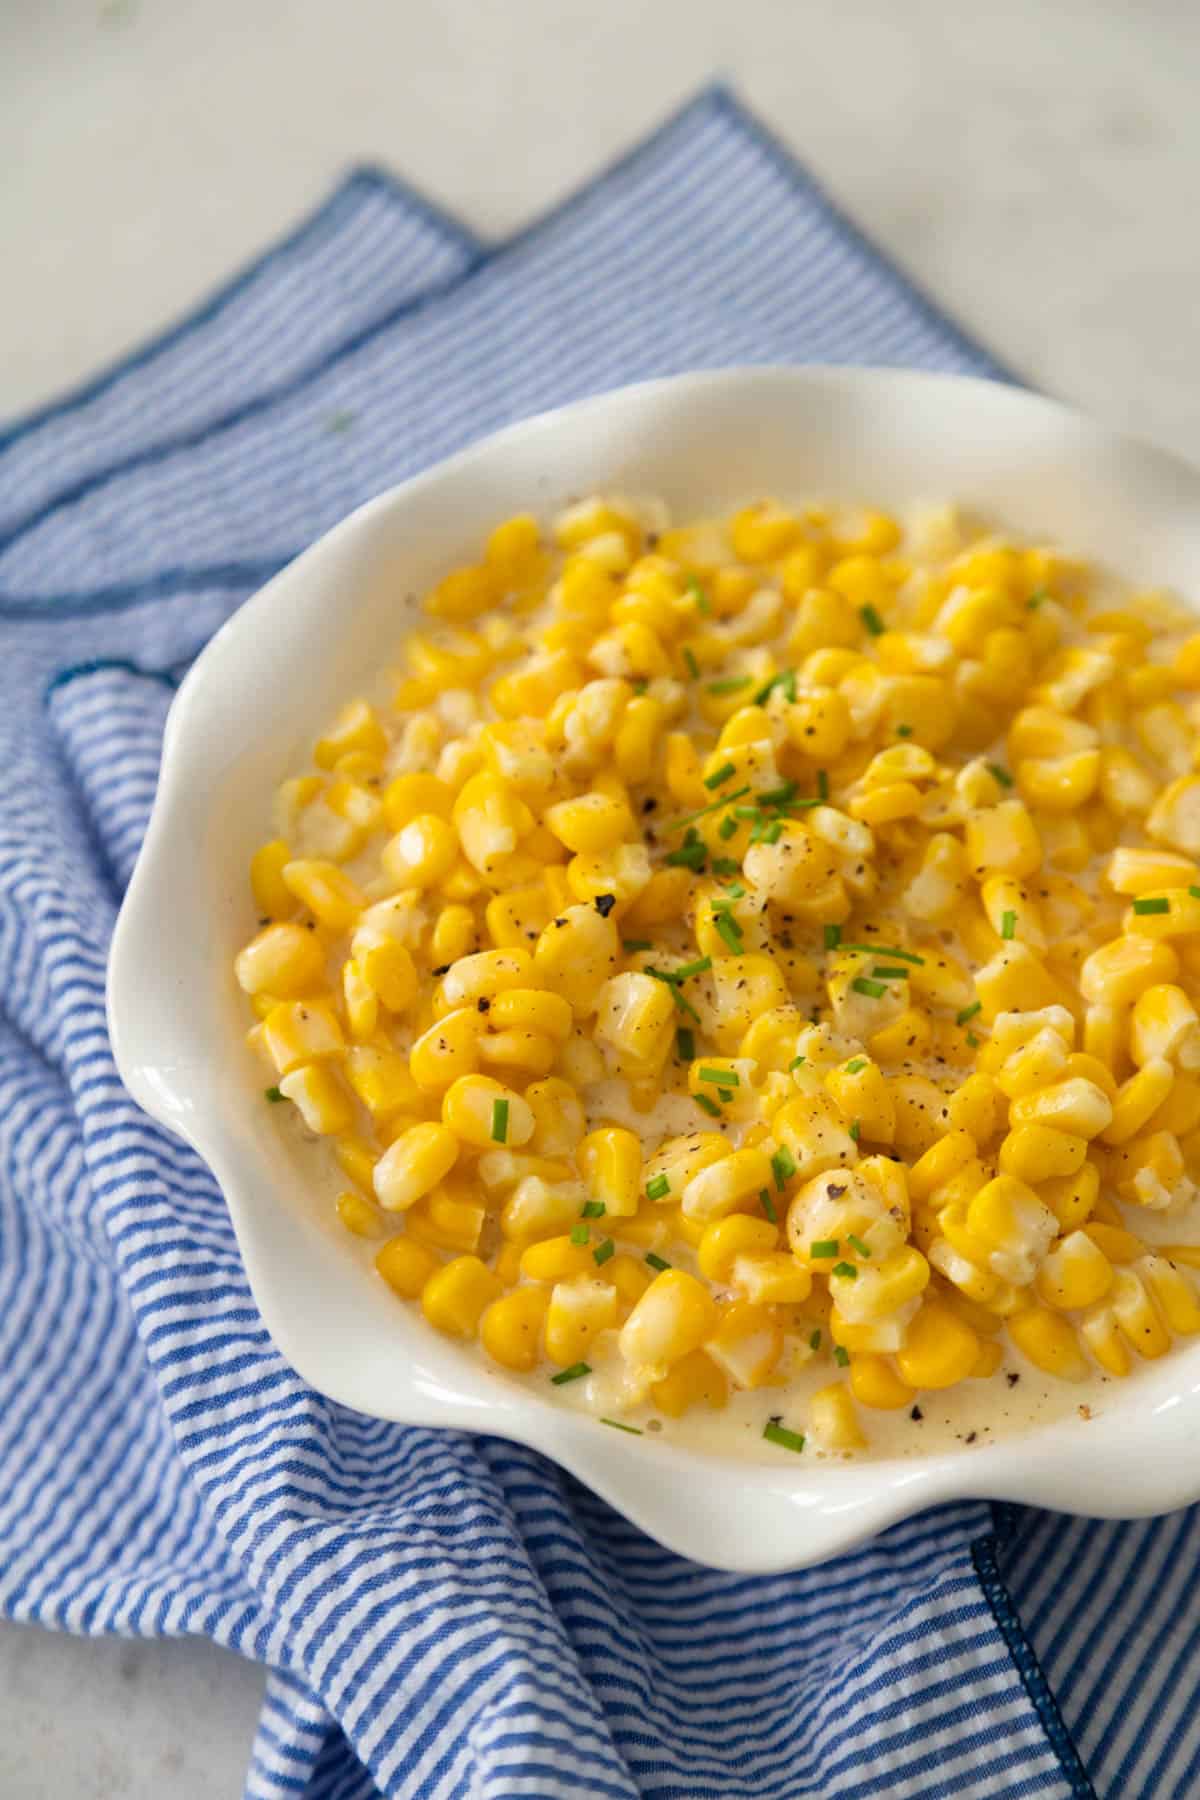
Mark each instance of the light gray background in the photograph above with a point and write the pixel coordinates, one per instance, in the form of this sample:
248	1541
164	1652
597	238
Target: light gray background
1033	163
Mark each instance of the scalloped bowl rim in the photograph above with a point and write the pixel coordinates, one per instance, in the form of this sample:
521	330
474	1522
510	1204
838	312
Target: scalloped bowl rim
271	675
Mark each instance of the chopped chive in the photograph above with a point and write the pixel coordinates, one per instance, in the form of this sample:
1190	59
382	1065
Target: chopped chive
709	1106
685	1043
1194	892
693	667
779	1434
603	1251
783	1166
274	1095
737	891
1035	599
872	621
1162	905
779	796
814	1342
729	929
968	1012
846	1270
904	730
907	956
855	1130
823	1247
1008	924
703	811
874	990
973	1040
593	1209
729	684
786	679
656	1261
749	812
579	1234
856	1243
724	1095
720	1077
859	1062
773	833
841	1357
571	1374
833	936
822	784
688	856
700	967
657	1187
703	604
633	1430
884	973
500	1121
633	945
797	1062
725	831
639	687
719	775
725	865
1002	775
680	998
768	1205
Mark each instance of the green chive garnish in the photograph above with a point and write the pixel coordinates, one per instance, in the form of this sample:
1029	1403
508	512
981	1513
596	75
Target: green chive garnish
685	1043
872	621
719	775
703	604
714	806
579	1234
725	865
786	679
574	1373
688	856
730	684
779	796
1002	775
874	990
656	1261
1035	599
823	1247
855	1129
783	1166
773	833
859	1062
779	1434
701	966
677	994
822	784
603	1251
856	1243
904	731
768	1205
886	974
729	929
846	1270
1162	905
725	831
968	1012
797	1062
633	945
814	1342
593	1209
907	956
833	936
658	1187
693	667
720	1077
633	1430
274	1095
1008	924
841	1357
500	1121
1194	892
709	1106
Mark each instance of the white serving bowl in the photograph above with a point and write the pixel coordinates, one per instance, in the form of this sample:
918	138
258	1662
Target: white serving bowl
270	680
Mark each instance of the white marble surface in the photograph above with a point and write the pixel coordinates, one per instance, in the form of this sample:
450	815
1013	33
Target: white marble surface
1032	163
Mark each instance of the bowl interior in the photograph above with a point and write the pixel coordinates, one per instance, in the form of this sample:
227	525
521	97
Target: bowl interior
325	627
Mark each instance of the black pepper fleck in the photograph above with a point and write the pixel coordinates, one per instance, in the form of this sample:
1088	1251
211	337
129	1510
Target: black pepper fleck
443	970
916	1414
604	904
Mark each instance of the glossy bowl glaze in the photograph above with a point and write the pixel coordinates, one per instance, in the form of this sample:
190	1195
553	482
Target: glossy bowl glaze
272	677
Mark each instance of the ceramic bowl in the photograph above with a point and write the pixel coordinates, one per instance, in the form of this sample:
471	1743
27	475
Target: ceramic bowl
272	677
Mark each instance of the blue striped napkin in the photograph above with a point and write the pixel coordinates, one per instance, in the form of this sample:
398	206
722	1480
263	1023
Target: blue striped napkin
443	1615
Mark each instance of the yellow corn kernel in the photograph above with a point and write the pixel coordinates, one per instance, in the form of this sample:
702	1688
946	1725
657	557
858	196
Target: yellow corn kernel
664	897
810	1129
448	1049
975	1108
1102	1336
1072	1197
408	796
381	1080
673	1317
1171	913
1009	1218
530	1009
482	1112
1138	1100
832	1419
1137	872
920	1112
485	976
744	989
764	532
413	1165
1180	1111
1173	1293
1175	817
746	1344
940	1162
523	1053
422	853
875	1383
357	1160
631	1278
1048	1341
326	890
694	1380
1076	1106
301	1031
510	1329
1010	908
358	1215
678	1159
1120	1246
610	1161
406	1266
882	1288
592	823
454	934
447	1219
1003	840
1164	1026
556	1259
939	1350
1137	1317
1015	978
558	1117
721	1188
357	728
576	954
635	1023
579	1310
1059	784
861	1093
515	918
1076	1273
272	896
454	1298
318	1097
361	1001
283	960
771	1279
725	1239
